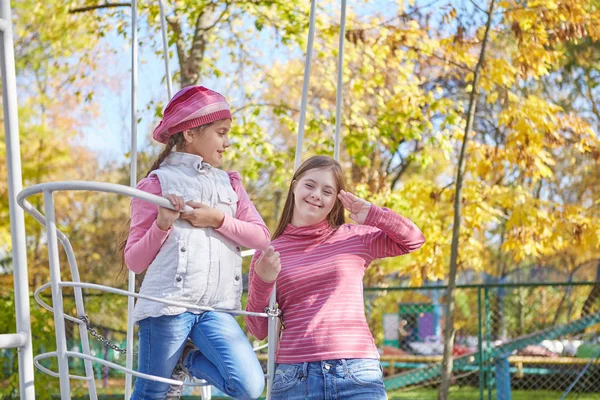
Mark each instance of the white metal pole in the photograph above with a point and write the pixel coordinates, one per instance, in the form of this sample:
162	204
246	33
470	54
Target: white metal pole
79	305
273	341
338	101
309	51
163	30
57	299
17	219
132	183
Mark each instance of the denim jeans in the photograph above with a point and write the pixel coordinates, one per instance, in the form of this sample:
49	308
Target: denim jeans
345	379
225	358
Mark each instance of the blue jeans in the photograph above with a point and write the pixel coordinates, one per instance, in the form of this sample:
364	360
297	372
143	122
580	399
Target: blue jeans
347	379
225	358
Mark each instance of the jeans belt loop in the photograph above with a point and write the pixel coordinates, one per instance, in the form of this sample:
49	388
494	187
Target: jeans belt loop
304	371
345	366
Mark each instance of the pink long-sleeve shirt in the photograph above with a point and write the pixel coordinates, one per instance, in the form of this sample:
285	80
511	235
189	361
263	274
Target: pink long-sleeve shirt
146	238
320	289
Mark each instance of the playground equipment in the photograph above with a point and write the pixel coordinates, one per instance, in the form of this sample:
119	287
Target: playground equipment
56	284
18	202
498	356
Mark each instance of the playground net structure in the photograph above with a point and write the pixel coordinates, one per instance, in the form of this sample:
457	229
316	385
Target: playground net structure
540	338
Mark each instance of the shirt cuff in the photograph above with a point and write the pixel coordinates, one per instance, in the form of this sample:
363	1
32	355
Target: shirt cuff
225	226
157	233
375	215
260	285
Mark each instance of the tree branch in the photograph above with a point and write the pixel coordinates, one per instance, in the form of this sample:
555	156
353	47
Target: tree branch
595	109
98	7
420	51
449	332
477	7
179	42
234	111
219	18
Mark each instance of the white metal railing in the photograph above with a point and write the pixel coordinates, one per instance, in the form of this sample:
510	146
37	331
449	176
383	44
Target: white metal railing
56	284
21	339
133	184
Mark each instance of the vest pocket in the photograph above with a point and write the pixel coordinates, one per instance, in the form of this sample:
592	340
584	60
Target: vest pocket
227	200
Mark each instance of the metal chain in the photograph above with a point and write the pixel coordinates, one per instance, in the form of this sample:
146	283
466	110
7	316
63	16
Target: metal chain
275	312
101	338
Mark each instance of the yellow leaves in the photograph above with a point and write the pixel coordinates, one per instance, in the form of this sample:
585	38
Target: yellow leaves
541	29
583	136
404	96
449	16
541	168
492	98
498	72
539	229
534	130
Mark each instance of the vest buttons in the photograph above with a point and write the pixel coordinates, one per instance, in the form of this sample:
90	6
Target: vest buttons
178	278
183	249
237	277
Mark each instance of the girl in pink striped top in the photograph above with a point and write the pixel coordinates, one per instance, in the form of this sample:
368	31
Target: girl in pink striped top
326	350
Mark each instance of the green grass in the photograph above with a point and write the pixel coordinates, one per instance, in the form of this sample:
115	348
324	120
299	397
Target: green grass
473	394
431	394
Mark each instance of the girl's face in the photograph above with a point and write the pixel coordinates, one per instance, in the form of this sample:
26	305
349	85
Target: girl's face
315	194
210	142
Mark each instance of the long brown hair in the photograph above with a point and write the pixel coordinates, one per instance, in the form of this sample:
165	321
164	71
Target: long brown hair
336	217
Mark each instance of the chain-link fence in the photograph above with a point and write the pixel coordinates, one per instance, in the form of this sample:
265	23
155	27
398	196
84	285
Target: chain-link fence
511	340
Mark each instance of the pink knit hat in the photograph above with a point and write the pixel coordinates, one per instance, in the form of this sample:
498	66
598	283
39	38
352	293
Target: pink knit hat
191	107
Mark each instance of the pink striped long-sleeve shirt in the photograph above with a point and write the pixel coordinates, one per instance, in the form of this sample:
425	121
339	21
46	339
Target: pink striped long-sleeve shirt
146	238
320	289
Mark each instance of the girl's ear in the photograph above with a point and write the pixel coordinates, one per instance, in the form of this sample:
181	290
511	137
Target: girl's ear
188	135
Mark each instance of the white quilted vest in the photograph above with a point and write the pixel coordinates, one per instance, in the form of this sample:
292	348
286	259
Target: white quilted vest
194	265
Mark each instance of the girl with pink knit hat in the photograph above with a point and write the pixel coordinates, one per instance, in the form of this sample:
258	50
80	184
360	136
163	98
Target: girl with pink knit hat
194	256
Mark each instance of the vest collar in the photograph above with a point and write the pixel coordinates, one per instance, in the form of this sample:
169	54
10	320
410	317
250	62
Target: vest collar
179	159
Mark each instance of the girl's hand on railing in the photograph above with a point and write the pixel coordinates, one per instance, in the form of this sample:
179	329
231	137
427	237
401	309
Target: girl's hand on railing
166	216
268	265
203	216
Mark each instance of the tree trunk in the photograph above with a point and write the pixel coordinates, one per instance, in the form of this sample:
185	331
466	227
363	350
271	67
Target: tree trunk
191	67
593	297
449	320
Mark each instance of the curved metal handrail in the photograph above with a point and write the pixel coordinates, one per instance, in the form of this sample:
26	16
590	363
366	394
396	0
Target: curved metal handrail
53	374
103	362
122	292
50	187
109	364
92	186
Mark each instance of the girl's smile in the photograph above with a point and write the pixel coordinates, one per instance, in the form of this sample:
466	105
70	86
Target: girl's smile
315	194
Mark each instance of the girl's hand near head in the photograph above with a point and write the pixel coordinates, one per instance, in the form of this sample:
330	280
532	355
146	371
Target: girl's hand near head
166	216
268	265
203	216
357	207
